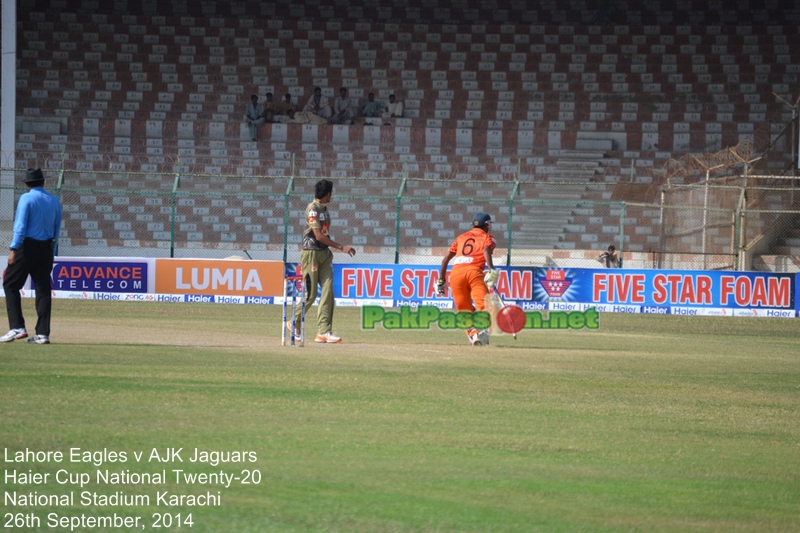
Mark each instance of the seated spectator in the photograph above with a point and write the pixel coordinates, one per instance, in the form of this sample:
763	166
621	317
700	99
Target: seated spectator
269	109
319	105
371	108
254	117
394	109
304	117
342	109
285	105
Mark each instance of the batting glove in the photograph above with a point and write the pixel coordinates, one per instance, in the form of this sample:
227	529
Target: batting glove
490	279
441	289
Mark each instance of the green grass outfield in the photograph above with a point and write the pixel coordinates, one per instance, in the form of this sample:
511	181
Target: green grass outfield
652	423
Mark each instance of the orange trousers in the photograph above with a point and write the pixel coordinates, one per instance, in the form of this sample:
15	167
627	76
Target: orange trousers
467	286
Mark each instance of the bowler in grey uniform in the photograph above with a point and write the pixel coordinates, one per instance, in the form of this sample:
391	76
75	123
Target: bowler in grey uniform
316	261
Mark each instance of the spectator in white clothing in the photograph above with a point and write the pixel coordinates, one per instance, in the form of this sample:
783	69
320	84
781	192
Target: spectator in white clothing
254	117
319	105
394	109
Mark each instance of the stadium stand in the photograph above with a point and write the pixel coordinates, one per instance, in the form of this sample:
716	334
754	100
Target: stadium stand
493	91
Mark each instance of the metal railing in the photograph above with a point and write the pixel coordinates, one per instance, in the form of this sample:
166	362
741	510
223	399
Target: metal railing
404	220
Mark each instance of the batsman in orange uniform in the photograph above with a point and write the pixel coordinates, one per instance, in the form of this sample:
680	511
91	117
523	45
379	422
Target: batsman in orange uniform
472	251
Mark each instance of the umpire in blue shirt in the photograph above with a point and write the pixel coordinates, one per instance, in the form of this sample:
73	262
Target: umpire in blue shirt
36	228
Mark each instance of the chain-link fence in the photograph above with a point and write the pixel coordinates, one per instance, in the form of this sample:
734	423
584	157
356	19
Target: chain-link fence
713	225
730	223
736	208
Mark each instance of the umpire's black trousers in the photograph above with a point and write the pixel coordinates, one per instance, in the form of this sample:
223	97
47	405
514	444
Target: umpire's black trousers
34	258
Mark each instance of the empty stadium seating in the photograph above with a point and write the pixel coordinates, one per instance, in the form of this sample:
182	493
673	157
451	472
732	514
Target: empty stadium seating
492	93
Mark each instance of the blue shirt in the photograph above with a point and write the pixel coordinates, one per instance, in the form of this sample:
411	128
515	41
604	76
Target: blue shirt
38	217
372	109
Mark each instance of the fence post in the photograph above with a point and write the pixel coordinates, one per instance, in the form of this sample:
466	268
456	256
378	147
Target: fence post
59	184
705	218
737	231
514	192
175	186
398	200
661	231
738	226
621	232
289	187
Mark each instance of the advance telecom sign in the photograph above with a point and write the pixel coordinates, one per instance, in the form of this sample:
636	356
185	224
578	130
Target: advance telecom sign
101	275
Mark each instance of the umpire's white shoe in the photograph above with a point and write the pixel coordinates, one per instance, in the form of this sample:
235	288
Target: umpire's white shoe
39	339
14	334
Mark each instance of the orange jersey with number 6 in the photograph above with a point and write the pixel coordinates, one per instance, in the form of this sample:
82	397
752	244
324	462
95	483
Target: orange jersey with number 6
469	247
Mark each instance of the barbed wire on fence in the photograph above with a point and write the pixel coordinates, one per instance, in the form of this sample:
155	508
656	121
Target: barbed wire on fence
755	153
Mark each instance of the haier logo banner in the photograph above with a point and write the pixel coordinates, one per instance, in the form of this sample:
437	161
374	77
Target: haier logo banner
259	300
101	275
219	277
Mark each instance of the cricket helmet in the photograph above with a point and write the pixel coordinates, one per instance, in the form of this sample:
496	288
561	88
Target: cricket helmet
480	220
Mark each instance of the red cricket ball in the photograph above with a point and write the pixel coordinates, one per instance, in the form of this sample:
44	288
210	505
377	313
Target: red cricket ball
511	319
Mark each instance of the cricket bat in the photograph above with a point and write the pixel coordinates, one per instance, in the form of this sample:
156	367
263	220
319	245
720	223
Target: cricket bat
493	305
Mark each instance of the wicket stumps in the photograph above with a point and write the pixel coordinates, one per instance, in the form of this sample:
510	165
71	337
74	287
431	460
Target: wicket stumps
290	290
